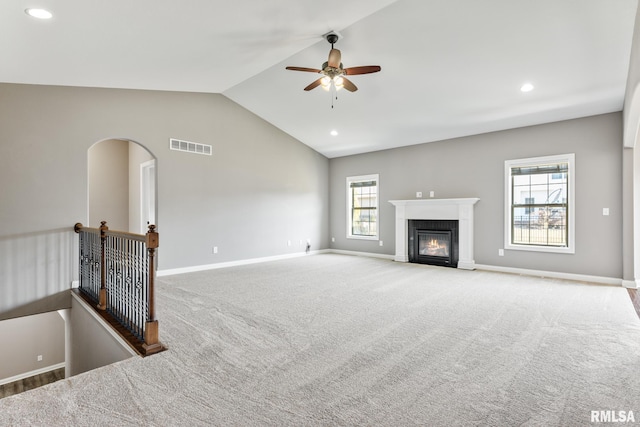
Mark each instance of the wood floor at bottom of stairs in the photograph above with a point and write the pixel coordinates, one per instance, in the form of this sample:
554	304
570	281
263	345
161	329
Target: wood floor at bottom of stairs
30	383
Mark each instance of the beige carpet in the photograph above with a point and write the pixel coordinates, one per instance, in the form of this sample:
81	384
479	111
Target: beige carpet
340	340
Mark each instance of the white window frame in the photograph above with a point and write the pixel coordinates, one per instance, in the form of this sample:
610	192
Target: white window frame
571	205
350	179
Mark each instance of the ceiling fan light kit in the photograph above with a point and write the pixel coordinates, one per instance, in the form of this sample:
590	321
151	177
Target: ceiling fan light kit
334	71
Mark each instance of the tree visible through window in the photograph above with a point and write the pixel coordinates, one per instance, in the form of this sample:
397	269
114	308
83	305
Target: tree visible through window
362	195
540	203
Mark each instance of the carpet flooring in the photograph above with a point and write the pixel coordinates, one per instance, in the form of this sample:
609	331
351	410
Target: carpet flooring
341	340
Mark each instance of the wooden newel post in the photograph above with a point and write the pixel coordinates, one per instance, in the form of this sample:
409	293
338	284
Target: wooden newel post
102	301
151	334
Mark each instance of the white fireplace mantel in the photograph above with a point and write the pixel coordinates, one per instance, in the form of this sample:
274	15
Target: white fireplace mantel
451	209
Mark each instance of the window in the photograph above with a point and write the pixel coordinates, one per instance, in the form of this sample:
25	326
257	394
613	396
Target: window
362	207
540	204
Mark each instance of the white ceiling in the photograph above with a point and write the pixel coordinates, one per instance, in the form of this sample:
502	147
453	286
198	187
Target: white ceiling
449	67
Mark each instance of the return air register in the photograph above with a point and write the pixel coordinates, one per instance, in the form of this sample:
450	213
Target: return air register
190	147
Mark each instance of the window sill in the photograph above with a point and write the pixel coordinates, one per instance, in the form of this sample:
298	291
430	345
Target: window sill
547	249
363	237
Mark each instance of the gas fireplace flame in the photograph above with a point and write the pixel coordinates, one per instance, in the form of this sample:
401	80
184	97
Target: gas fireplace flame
435	247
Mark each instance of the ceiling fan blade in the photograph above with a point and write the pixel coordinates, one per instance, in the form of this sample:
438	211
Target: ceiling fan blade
310	70
367	69
314	85
348	85
334	58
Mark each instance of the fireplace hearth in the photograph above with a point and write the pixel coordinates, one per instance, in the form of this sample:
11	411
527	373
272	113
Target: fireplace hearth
433	242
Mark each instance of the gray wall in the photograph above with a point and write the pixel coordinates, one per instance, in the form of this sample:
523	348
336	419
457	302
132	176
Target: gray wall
474	167
260	188
25	338
108	171
91	345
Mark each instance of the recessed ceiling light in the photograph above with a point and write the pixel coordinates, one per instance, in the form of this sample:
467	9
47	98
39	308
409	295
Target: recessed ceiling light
527	87
334	133
39	13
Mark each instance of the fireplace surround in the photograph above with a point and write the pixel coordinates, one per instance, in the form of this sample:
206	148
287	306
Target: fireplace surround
436	209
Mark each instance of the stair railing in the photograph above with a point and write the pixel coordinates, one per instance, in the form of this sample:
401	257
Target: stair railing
117	273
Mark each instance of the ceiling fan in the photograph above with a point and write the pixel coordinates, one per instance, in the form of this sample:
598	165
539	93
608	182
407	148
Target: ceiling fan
334	72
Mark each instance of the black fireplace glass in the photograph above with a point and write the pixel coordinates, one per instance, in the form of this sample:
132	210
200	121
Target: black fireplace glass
433	243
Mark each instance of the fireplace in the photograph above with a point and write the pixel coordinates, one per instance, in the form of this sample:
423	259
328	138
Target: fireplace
433	242
433	209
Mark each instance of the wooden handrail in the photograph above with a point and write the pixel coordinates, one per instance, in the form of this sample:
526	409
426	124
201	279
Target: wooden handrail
125	234
129	274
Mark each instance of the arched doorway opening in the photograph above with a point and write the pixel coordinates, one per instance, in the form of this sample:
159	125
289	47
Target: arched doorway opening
122	185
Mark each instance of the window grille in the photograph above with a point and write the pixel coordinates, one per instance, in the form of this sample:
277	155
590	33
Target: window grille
363	206
540	203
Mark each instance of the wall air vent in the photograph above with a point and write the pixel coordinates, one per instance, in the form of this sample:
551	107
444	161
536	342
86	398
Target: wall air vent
190	147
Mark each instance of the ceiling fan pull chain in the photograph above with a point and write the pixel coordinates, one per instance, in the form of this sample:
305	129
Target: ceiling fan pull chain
333	90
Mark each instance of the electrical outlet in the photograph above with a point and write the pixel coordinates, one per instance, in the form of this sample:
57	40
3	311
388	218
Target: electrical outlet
333	239
605	211
39	358
288	242
418	194
380	242
432	194
215	250
500	252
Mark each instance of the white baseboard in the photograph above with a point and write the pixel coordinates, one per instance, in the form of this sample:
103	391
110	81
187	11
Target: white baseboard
522	271
195	268
355	253
32	373
552	274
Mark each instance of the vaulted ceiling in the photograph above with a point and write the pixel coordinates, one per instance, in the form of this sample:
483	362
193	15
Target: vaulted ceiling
450	68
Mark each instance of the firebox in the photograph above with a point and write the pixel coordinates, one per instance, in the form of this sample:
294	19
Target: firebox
433	242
